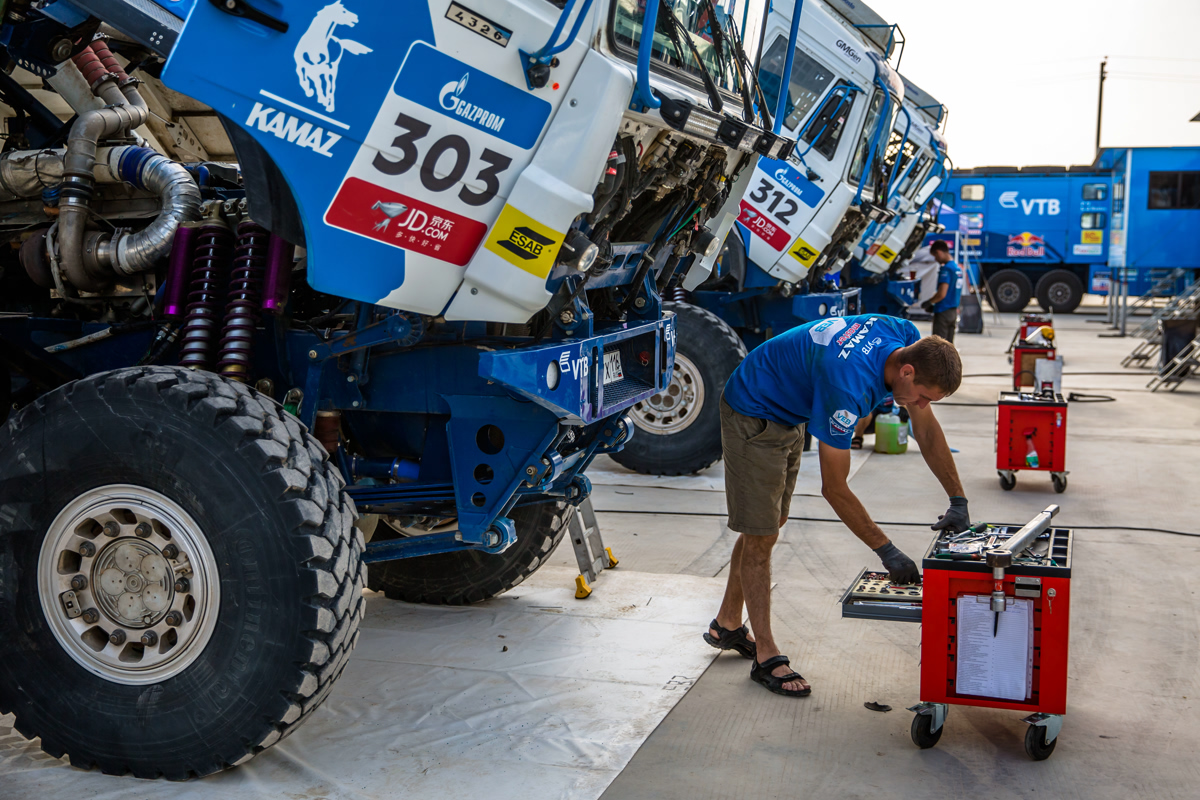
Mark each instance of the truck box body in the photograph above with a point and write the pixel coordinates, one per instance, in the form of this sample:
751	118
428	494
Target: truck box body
1135	209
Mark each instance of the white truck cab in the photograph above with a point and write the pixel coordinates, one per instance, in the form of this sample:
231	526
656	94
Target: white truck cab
843	100
918	169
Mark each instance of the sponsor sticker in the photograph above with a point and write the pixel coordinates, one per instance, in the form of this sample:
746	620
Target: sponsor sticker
763	227
886	253
403	221
468	94
1087	249
1092	237
844	418
524	242
804	252
823	332
1025	245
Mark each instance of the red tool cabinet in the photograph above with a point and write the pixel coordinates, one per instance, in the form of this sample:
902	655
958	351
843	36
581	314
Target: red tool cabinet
1026	420
970	656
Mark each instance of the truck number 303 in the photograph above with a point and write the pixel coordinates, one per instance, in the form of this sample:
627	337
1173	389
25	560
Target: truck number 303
455	146
765	190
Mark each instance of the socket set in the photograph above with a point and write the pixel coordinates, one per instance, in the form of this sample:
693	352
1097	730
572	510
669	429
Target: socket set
873	596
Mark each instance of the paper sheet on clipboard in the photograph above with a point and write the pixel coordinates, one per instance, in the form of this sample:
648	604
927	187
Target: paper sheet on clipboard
999	665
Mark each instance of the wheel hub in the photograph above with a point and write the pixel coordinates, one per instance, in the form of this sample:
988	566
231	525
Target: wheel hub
128	584
1059	294
1008	292
136	584
676	408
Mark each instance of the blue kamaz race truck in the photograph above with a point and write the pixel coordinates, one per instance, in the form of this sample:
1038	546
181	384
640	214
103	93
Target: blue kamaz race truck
301	297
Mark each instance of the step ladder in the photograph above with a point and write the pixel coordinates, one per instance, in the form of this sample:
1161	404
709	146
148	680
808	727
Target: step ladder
1162	288
590	553
1184	303
1144	352
1178	369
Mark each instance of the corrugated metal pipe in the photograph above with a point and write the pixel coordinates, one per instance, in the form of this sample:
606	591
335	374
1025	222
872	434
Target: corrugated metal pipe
89	258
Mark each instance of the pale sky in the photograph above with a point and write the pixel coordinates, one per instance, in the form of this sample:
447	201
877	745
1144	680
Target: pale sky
1020	77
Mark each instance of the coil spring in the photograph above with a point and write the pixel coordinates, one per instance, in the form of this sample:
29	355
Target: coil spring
210	270
678	294
245	300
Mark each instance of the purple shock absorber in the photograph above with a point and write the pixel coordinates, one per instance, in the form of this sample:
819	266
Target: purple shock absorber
210	272
179	271
277	282
245	300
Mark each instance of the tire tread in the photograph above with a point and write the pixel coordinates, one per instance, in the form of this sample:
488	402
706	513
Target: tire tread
314	507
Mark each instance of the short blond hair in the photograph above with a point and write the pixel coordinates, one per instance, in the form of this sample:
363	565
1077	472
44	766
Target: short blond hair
936	363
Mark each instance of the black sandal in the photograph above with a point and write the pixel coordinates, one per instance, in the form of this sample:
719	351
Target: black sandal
737	639
856	443
761	673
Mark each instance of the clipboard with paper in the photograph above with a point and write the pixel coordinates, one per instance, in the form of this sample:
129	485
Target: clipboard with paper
995	651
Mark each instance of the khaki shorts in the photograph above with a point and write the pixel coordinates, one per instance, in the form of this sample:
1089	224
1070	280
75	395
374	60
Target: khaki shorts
762	460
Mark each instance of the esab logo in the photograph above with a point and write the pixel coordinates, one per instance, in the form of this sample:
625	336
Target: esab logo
524	242
805	253
887	253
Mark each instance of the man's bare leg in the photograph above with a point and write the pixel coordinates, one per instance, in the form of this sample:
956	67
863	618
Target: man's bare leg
730	615
750	582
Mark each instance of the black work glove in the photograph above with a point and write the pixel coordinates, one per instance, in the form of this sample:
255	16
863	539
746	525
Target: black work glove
901	568
928	306
956	519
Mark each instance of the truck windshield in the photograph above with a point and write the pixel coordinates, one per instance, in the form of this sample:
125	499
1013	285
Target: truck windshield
864	144
808	83
696	18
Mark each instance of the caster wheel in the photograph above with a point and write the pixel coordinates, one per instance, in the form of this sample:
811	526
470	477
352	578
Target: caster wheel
1035	743
924	737
1008	482
1060	484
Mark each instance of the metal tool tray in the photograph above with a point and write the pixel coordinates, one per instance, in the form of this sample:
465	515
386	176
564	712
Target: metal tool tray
873	596
1055	548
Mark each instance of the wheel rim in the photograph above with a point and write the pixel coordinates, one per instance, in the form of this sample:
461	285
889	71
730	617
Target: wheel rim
1059	294
675	408
1008	292
128	584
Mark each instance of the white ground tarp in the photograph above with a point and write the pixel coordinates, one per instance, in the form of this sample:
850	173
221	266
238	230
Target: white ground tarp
606	472
432	706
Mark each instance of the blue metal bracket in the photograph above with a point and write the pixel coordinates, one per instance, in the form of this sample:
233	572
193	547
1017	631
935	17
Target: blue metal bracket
536	65
643	96
785	83
501	536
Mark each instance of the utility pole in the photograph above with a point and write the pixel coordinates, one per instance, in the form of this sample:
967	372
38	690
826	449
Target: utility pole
1100	104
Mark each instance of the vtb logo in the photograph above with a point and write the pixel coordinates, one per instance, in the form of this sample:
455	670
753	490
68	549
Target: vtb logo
526	243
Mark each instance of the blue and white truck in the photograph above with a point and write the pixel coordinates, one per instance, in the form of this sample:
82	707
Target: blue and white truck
379	342
1055	233
799	220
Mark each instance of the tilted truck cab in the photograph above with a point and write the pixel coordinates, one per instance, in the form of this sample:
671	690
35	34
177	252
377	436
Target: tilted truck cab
393	327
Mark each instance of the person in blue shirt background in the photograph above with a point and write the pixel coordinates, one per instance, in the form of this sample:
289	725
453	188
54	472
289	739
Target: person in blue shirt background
823	375
944	304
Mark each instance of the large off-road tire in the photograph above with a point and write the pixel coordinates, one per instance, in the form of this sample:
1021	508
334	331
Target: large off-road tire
1010	290
1059	291
679	430
469	576
216	573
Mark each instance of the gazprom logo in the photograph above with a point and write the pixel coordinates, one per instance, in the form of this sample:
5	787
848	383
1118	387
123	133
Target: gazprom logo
450	99
781	175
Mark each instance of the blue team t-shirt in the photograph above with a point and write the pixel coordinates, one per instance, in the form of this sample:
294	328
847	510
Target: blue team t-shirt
950	273
827	373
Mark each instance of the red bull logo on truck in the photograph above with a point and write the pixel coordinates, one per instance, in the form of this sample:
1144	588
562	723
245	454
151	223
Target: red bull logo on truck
1026	245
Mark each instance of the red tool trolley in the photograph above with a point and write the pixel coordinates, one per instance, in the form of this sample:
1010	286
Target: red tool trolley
1031	433
995	611
1024	355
